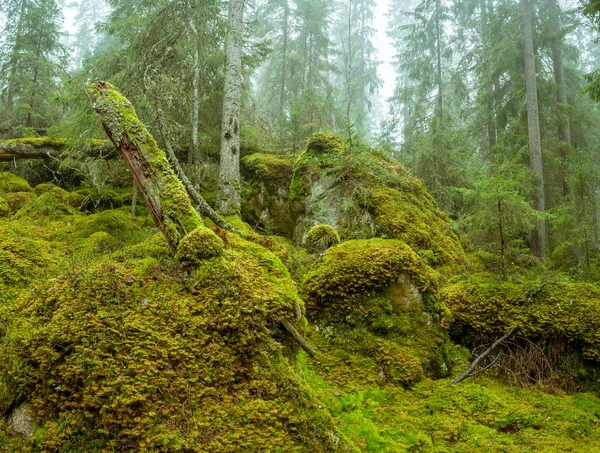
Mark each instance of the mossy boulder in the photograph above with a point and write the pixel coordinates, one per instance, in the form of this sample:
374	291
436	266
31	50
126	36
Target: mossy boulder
133	359
361	267
363	193
200	244
9	182
267	178
4	207
51	202
485	308
379	292
320	238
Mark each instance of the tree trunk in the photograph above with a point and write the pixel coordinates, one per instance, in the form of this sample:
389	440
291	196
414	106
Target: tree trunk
533	122
286	19
439	113
13	65
194	156
163	193
488	85
564	126
228	198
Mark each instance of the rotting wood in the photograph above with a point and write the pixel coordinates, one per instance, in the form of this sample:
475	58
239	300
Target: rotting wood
163	193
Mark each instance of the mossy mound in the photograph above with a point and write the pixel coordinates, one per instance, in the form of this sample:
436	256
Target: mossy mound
362	267
200	244
321	237
377	295
9	183
126	357
20	256
268	178
52	202
4	208
17	200
99	200
363	193
484	308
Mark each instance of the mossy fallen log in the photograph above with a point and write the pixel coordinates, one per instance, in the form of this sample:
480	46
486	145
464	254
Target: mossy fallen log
164	194
49	147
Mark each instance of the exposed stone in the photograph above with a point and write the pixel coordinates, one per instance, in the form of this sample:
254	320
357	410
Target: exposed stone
21	420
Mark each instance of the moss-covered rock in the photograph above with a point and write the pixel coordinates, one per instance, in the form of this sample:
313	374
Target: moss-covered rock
132	359
361	267
374	292
9	182
4	207
200	244
320	238
268	178
484	308
363	193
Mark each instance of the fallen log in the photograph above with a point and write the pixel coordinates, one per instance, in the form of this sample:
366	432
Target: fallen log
49	147
165	196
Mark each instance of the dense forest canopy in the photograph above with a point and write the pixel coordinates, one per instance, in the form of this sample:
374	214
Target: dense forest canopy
289	225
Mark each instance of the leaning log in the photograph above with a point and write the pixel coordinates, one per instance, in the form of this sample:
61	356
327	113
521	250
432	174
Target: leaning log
163	193
49	147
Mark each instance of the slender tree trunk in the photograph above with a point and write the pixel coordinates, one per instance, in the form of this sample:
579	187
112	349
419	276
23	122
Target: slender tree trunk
533	122
284	56
438	52
194	156
228	198
564	126
35	77
488	85
134	200
13	65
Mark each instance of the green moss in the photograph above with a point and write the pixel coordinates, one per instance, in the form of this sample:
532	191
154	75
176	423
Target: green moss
9	182
264	194
411	215
38	142
399	363
118	224
52	203
270	167
131	359
164	188
359	267
324	142
17	200
101	242
320	238
4	208
96	200
200	244
483	307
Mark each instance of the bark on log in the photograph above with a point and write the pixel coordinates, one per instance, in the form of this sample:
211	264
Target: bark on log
49	147
164	194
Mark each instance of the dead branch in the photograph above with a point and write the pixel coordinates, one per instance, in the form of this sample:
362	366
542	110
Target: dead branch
301	341
478	359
